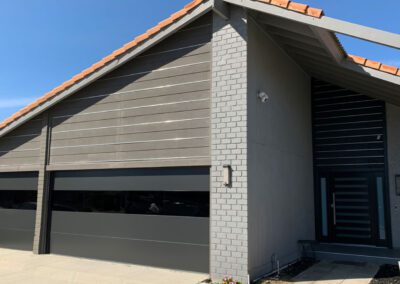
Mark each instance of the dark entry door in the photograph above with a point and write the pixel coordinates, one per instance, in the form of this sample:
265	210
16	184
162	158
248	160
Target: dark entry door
353	208
350	161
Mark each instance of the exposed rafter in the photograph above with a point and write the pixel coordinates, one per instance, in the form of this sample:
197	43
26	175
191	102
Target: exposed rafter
221	8
330	43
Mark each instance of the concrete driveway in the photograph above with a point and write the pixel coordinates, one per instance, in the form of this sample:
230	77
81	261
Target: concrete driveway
25	267
334	272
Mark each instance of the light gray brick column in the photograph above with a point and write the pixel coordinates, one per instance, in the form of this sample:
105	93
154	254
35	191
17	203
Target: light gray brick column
40	237
229	247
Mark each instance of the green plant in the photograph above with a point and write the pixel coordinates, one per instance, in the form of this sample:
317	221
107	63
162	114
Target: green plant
229	280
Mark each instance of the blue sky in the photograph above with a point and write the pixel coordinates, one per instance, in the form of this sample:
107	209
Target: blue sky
45	42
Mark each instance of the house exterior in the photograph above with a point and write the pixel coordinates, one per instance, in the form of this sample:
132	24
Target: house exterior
214	142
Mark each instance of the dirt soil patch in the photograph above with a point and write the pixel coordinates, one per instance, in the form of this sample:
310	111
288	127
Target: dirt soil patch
289	272
387	274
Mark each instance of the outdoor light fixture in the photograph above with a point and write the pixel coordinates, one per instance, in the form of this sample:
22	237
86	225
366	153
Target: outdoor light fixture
263	96
227	175
397	180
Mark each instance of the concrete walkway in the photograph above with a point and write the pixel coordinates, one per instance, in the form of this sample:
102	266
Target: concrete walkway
25	267
338	272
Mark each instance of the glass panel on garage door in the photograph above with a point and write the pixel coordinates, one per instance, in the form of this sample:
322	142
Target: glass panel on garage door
17	210
155	217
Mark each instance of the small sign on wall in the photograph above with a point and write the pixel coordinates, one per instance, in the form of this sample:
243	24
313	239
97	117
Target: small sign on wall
398	185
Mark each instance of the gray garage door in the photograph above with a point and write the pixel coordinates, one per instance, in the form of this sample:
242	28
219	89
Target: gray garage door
156	217
17	210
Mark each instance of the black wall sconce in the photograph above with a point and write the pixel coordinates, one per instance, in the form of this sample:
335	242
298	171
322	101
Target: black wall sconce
227	175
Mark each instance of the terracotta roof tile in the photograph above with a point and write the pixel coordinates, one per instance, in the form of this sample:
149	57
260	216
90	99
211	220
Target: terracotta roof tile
141	38
166	22
296	7
280	3
178	14
357	59
152	30
174	17
8	120
99	64
129	45
193	5
374	64
389	69
314	12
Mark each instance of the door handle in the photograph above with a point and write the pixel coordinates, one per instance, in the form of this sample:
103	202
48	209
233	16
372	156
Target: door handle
334	208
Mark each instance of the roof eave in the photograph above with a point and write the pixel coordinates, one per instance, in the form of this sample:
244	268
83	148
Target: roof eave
387	77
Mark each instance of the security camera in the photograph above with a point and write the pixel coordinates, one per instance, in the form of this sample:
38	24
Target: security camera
263	97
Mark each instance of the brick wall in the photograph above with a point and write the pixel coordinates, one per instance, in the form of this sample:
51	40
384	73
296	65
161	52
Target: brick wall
229	247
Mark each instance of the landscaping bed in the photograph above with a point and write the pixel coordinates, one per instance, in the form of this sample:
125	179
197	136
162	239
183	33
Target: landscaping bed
289	272
387	274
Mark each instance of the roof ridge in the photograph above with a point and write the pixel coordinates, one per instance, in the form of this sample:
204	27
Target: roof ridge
138	40
374	64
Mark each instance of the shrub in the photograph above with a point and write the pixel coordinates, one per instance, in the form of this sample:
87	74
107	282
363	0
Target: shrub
229	280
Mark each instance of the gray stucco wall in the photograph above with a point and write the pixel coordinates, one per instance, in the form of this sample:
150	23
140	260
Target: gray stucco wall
393	143
280	169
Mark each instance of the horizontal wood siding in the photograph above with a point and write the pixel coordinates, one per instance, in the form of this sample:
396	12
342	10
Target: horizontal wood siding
20	148
154	108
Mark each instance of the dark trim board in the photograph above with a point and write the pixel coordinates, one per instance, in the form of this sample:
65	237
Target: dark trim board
151	179
18	181
388	211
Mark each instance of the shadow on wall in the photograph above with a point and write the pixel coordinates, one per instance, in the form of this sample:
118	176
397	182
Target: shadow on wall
22	145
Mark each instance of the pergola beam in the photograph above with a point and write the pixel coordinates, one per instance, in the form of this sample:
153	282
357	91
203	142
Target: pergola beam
327	23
